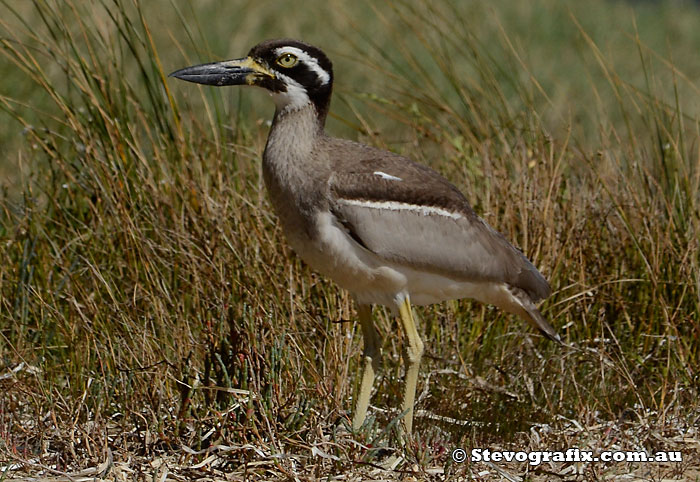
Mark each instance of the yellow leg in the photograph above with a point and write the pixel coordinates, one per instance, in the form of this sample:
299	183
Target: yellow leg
414	352
370	364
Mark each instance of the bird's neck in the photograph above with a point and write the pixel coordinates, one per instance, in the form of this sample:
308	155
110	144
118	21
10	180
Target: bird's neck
293	137
295	97
293	163
294	132
296	110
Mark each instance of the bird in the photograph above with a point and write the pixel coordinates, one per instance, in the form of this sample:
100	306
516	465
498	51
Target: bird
390	231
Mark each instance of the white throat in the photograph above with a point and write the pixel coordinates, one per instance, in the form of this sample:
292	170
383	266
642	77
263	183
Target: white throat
293	99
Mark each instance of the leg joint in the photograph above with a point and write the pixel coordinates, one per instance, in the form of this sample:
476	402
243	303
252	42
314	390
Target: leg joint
414	351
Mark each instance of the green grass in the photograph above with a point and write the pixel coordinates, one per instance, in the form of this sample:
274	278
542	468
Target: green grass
148	301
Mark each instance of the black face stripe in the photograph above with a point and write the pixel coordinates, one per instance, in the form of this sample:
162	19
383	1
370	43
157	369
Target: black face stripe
273	84
319	92
300	73
267	51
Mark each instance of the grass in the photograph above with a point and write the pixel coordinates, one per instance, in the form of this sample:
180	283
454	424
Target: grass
151	316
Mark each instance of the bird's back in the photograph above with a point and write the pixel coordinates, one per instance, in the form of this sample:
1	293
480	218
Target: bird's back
409	214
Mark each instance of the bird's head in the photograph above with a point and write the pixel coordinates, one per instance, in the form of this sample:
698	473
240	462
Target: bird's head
295	73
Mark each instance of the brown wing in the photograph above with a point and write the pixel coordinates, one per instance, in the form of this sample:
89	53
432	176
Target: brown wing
409	214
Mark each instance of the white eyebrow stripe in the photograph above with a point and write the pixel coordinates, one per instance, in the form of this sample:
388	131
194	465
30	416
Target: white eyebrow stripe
399	206
386	176
324	76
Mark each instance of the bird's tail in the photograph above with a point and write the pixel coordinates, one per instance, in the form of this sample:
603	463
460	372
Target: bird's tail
526	309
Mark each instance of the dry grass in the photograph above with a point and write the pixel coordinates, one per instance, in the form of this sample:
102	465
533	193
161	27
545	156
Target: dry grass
155	327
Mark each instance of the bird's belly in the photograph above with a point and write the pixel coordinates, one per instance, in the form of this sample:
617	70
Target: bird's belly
335	255
350	267
426	288
374	280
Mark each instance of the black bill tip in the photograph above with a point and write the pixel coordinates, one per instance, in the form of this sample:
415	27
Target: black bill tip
230	72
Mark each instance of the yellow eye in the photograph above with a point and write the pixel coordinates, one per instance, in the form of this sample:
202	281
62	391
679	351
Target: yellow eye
287	60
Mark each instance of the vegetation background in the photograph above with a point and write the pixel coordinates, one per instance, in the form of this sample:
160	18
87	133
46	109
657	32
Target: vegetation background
154	325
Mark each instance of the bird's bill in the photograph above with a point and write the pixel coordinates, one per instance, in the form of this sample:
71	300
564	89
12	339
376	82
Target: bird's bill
245	71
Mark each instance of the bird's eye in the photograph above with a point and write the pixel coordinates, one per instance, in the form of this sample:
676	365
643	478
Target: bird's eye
287	60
